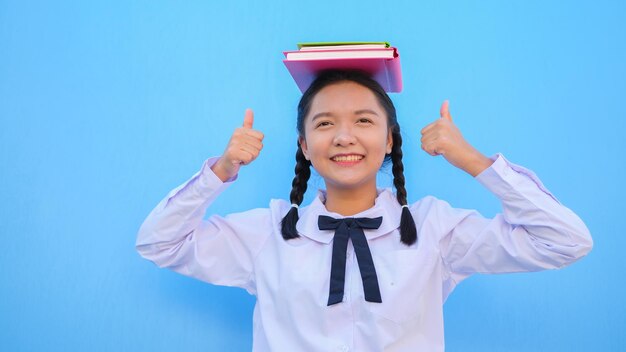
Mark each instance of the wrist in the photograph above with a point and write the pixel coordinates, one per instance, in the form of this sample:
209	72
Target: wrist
220	171
477	164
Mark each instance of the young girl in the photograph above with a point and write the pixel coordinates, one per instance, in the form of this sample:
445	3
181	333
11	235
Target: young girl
358	269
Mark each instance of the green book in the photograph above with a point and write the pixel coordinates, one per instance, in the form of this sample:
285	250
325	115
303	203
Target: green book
312	45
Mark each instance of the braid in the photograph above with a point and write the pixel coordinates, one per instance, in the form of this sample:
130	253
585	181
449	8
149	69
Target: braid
298	188
408	230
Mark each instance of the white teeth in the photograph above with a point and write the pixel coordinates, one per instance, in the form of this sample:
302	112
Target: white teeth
348	158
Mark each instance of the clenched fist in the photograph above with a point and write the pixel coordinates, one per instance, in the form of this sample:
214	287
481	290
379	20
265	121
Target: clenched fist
244	146
442	137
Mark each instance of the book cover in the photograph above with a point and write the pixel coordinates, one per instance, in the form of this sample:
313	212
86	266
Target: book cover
386	71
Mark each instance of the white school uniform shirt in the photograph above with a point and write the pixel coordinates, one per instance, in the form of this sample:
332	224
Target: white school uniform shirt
290	279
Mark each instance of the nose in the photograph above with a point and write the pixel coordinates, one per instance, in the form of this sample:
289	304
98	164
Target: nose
344	137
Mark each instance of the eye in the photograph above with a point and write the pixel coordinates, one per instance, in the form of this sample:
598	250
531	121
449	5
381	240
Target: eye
365	120
322	124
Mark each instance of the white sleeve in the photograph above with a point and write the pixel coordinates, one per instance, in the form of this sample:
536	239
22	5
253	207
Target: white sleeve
533	232
220	250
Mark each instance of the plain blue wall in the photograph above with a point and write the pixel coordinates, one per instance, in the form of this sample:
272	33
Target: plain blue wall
107	105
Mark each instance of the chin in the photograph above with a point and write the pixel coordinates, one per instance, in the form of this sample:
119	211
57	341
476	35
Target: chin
348	184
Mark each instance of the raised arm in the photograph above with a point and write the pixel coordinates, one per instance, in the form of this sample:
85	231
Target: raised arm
220	250
533	232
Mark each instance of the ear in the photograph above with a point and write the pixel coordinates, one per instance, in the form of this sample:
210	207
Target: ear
303	146
389	142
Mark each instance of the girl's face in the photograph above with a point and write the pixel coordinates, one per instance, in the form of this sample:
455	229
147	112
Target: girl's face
346	136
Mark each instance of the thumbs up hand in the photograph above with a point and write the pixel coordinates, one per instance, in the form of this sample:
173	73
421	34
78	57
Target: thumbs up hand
244	147
442	137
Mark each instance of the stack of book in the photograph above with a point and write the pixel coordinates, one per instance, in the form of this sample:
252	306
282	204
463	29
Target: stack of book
379	59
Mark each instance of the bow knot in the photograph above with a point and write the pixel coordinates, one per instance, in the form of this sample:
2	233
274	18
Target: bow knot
351	229
329	223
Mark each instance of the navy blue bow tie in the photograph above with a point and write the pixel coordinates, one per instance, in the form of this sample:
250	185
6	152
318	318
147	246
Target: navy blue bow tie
351	228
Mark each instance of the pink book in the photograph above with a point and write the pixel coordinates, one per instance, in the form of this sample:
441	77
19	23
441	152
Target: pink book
385	71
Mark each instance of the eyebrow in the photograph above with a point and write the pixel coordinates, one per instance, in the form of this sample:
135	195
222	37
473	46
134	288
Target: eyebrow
357	112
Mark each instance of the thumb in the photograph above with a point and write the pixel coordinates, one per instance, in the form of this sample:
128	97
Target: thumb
444	111
248	120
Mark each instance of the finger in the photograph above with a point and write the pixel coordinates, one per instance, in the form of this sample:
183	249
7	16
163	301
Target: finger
437	124
253	148
242	132
239	151
428	127
441	126
236	149
431	148
243	135
247	154
428	149
429	138
445	111
254	133
252	142
248	119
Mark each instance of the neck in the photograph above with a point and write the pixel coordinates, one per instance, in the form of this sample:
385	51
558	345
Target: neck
348	202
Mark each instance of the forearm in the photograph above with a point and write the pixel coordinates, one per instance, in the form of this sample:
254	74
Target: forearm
179	213
476	163
555	231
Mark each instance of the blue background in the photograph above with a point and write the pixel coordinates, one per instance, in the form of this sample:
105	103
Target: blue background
105	106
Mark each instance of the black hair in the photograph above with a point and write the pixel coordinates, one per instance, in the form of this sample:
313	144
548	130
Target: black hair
408	231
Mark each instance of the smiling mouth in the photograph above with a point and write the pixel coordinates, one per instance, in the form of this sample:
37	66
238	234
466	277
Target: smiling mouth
347	158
